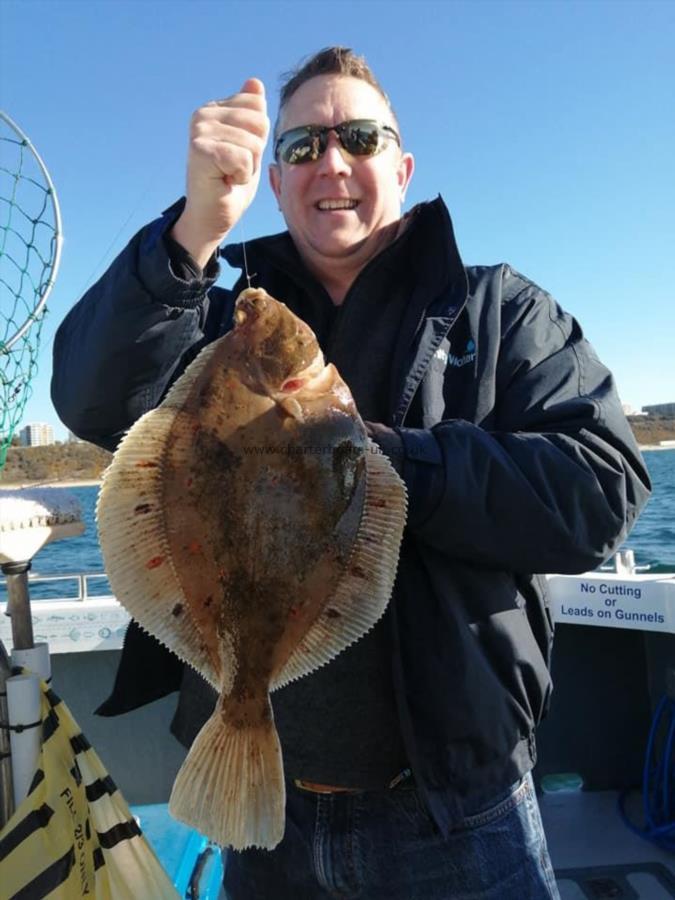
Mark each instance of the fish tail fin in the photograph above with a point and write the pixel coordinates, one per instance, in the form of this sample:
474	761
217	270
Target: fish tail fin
231	784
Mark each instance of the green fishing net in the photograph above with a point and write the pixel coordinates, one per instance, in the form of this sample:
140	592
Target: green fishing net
30	241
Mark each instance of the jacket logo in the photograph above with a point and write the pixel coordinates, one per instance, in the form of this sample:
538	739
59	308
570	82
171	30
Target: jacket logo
467	357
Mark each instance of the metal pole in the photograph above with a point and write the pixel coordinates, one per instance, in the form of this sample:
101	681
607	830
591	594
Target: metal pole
18	608
18	605
624	562
6	791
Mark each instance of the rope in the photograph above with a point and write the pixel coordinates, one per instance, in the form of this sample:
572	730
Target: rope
5	726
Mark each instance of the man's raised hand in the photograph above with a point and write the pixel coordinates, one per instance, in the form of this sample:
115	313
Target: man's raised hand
227	140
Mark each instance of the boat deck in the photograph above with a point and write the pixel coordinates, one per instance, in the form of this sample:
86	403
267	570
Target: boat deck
596	856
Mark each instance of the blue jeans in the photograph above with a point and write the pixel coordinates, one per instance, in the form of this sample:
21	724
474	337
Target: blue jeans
383	845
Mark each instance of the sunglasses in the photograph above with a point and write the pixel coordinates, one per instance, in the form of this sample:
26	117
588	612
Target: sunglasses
358	137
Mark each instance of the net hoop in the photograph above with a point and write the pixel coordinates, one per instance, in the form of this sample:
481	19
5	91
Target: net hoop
58	235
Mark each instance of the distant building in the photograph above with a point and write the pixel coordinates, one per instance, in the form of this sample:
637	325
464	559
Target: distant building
660	409
37	434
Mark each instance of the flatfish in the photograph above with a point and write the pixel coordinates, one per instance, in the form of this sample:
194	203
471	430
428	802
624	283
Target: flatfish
251	525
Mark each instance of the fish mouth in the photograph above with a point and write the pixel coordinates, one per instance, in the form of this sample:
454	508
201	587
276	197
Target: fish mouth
250	305
243	315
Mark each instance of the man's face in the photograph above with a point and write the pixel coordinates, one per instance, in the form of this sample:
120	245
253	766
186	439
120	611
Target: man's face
344	238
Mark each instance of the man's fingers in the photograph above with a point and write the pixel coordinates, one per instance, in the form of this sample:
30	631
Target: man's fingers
230	134
238	117
238	164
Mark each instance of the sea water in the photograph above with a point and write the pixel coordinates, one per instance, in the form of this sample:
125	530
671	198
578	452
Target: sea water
652	539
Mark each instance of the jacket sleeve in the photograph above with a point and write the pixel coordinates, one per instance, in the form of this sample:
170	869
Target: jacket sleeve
557	481
126	340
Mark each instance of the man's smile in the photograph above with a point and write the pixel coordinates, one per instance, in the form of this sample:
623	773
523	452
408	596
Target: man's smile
342	203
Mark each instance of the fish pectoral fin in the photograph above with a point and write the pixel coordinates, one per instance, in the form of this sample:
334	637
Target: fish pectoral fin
291	407
231	785
366	585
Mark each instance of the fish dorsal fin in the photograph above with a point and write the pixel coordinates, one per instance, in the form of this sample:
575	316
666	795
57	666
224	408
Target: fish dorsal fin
178	393
363	591
133	536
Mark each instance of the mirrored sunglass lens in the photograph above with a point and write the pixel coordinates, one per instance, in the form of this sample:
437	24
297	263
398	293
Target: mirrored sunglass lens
300	146
361	138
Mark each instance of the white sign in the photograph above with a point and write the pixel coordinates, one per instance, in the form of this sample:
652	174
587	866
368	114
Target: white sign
642	602
73	626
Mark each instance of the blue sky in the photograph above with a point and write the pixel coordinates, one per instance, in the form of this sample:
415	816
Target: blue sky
548	127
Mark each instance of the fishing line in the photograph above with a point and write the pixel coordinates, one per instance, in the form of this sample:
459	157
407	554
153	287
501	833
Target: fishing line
243	247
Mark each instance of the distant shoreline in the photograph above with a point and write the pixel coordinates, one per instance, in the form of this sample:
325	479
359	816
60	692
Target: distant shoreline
653	447
22	485
96	482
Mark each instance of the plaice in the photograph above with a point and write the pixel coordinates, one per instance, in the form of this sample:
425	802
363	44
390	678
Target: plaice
250	525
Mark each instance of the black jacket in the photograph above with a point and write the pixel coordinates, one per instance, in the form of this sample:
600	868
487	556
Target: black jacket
518	461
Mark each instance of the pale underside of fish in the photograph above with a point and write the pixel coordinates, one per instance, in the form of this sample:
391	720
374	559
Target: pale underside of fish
250	525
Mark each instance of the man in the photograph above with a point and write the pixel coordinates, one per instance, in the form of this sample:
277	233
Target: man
408	757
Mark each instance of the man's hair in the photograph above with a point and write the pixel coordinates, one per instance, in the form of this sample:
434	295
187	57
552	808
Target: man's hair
329	61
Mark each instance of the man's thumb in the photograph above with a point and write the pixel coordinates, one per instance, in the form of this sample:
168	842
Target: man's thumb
253	86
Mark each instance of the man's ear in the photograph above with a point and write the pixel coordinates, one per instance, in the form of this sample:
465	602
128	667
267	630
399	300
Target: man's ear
406	167
274	173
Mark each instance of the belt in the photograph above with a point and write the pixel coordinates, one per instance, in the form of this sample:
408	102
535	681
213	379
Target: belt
317	788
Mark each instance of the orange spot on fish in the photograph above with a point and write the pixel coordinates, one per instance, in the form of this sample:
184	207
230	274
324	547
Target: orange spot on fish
188	483
378	502
294	612
142	508
154	562
146	464
293	384
194	547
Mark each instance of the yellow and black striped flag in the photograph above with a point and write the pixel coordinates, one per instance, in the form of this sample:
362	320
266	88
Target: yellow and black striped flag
74	835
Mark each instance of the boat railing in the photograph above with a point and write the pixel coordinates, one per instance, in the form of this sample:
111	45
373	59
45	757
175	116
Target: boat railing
73	612
77	611
623	563
78	586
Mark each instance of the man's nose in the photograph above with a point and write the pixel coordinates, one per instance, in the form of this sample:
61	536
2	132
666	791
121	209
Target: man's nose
334	161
